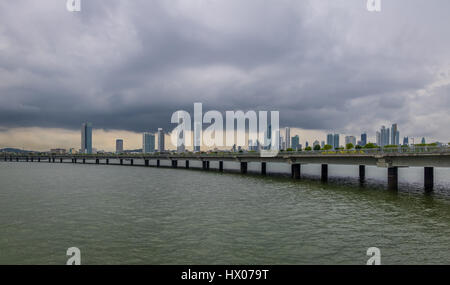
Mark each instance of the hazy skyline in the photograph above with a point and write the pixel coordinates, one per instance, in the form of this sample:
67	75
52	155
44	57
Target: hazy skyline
126	66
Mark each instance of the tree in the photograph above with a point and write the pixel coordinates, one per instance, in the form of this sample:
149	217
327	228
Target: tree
317	147
358	147
290	149
308	148
349	146
327	147
370	145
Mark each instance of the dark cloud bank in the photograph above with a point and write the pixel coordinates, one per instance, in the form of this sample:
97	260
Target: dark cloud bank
327	65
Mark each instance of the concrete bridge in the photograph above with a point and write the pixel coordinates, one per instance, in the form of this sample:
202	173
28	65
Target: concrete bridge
428	158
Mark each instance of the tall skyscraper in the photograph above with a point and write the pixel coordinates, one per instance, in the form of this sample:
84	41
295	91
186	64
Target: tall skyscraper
384	136
86	138
160	140
405	141
288	137
378	139
363	139
350	139
395	135
119	145
423	140
295	142
336	140
148	142
330	140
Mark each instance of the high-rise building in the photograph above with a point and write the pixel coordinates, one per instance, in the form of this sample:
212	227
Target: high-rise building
148	142
295	142
395	135
336	140
384	136
378	138
423	140
330	139
86	138
119	145
161	140
322	144
405	141
350	139
363	139
288	137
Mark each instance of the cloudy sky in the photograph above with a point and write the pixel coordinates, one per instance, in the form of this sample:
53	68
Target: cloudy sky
126	66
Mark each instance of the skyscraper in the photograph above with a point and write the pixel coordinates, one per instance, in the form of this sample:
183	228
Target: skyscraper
86	138
363	139
160	140
350	139
288	137
336	140
395	135
405	141
119	145
330	139
423	140
384	136
148	142
378	138
295	142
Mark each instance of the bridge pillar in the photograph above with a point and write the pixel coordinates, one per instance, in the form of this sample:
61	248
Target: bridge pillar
295	170
107	161
174	163
393	178
244	166
49	159
263	168
97	161
27	158
121	161
84	160
10	158
6	159
429	179
362	173
60	160
207	165
158	163
53	159
32	159
221	166
146	162
74	160
131	162
204	165
187	163
324	174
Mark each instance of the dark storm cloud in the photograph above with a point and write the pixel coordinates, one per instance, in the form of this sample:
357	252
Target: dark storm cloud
327	65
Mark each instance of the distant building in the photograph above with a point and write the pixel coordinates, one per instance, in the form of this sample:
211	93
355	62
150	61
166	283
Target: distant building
395	135
405	141
336	141
288	137
295	142
350	139
330	139
148	142
72	151
322	144
378	138
119	145
316	142
363	139
384	136
306	144
160	140
86	138
58	151
423	140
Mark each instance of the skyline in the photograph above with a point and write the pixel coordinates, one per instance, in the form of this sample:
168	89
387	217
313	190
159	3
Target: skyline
371	68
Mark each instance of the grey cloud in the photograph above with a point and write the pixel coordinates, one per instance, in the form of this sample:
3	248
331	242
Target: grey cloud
327	65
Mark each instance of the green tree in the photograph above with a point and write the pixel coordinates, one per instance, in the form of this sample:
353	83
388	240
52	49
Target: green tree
290	149
349	146
317	147
308	148
327	147
370	145
358	147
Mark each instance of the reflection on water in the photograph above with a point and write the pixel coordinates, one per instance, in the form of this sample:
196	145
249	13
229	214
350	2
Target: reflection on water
138	215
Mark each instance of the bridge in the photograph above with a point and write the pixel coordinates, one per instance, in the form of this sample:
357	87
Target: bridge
391	159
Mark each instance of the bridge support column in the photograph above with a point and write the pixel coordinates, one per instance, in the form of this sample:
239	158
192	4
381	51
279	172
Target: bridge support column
107	161
174	163
84	160
362	173
207	165
324	174
393	178
49	160
429	179
32	159
74	160
6	159
27	159
121	161
146	162
60	160
158	163
244	166
221	166
187	163
53	160
131	162
295	170
263	168
17	159
10	158
97	161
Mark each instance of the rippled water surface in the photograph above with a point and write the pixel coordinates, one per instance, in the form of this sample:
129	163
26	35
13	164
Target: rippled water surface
147	215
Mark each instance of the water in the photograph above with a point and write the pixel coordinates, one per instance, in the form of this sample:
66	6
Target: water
138	215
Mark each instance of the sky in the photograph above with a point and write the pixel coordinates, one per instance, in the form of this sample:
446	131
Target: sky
126	66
